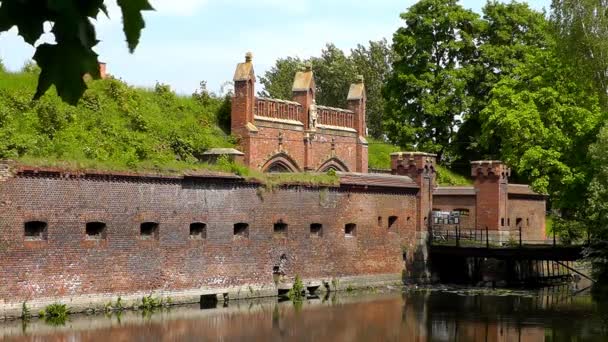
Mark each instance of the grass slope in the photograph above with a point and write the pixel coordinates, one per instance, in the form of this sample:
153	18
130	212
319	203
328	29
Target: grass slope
113	127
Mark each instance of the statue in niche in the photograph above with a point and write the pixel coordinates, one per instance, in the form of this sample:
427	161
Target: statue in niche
312	115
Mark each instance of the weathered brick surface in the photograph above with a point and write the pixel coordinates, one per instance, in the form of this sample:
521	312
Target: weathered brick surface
530	213
67	264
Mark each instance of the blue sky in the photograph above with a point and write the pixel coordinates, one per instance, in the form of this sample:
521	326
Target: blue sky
187	41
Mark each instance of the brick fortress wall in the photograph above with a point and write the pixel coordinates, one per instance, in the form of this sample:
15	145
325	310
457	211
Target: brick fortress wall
68	263
298	135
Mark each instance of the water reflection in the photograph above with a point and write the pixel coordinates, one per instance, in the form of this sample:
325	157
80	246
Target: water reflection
420	316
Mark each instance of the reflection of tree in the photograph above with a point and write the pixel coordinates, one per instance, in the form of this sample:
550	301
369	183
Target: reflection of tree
600	296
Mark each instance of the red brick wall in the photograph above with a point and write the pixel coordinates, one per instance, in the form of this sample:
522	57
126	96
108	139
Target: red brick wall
69	265
451	203
532	214
345	145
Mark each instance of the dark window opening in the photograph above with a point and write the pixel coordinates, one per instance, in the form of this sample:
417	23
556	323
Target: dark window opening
96	230
148	231
509	222
316	229
350	229
241	230
392	222
280	229
502	222
35	230
408	219
379	221
518	222
198	231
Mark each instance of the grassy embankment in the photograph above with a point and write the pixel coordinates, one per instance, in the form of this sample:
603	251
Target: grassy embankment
117	127
379	158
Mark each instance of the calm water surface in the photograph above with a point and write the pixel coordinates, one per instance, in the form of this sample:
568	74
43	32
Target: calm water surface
428	316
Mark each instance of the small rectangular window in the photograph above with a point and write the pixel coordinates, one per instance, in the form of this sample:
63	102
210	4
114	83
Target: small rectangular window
198	231
392	222
96	230
280	229
350	229
316	229
148	231
379	221
35	230
502	222
241	230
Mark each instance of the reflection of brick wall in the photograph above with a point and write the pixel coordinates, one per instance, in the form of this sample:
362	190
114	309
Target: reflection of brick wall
277	132
67	264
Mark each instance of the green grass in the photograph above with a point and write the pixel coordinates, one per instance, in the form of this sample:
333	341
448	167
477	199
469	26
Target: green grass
379	154
113	127
446	177
117	127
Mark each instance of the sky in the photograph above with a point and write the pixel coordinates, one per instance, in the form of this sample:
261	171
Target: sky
187	41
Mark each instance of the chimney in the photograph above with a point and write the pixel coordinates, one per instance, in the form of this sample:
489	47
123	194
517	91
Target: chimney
102	70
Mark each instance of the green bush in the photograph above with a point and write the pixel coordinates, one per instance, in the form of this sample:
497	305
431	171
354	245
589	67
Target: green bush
297	292
55	314
114	126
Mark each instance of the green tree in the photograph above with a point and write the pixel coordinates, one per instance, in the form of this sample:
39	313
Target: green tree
596	212
278	81
334	73
544	123
582	30
65	62
426	93
510	33
374	63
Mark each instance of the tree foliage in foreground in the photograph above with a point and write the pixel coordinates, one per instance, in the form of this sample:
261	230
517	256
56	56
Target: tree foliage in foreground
71	56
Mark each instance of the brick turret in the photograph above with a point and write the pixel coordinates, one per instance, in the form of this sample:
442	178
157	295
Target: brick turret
243	101
491	184
421	168
357	99
304	91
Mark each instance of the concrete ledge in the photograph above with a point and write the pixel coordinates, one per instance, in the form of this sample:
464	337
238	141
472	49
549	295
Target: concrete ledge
78	304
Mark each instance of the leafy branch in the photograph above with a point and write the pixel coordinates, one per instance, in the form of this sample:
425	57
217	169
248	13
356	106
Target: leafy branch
65	62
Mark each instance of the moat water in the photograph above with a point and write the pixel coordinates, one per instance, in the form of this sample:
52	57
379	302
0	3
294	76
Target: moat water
544	315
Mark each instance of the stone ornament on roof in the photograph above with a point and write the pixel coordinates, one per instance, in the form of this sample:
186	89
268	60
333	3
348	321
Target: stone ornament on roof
313	115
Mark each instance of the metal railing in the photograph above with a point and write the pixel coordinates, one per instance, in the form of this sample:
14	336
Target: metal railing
475	237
